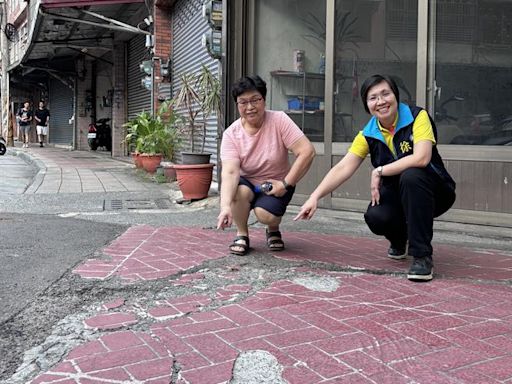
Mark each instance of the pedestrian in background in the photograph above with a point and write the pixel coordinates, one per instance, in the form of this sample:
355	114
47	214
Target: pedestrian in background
409	183
42	117
254	151
25	121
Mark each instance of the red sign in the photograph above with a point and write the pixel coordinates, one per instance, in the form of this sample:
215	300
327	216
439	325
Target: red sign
83	3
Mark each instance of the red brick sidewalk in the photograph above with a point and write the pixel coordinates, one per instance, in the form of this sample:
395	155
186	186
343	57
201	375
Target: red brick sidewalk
145	253
363	328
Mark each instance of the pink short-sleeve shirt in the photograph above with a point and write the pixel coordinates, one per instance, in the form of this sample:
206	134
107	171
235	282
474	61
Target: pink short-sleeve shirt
262	156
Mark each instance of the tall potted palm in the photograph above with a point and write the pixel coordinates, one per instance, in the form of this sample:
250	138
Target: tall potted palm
155	136
197	99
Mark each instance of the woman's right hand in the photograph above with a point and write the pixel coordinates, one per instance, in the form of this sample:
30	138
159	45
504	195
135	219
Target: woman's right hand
225	219
307	210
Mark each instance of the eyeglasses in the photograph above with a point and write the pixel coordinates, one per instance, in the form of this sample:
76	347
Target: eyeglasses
385	95
244	103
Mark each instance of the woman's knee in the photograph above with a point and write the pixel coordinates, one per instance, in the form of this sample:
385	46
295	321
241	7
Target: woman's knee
243	195
380	219
265	217
374	221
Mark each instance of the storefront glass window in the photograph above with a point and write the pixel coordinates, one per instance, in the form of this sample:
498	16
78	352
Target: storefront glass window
473	79
372	37
289	55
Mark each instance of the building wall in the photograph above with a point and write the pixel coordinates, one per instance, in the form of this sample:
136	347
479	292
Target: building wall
163	38
360	39
82	110
119	100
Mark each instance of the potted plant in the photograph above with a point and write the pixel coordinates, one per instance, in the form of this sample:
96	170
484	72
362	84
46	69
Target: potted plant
155	136
197	99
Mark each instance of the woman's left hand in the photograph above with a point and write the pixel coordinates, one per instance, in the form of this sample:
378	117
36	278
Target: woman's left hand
278	188
375	182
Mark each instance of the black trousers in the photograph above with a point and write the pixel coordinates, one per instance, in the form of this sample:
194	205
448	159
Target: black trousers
408	205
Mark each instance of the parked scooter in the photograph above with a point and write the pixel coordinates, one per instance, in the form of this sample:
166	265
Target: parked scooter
3	146
100	135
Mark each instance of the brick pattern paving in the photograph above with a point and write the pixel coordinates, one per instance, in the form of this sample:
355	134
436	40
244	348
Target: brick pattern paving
80	172
372	328
145	253
121	357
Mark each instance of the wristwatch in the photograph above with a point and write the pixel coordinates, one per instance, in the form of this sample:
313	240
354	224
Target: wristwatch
379	170
287	186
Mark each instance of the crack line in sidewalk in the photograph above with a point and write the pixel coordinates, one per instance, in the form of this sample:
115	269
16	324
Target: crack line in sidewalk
119	265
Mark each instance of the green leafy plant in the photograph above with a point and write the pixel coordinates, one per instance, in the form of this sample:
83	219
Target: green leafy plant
160	179
199	97
155	134
345	30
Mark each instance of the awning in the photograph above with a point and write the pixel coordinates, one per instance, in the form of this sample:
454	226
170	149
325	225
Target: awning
66	30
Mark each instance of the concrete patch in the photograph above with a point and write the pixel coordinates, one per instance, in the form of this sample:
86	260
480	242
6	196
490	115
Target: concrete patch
318	283
257	367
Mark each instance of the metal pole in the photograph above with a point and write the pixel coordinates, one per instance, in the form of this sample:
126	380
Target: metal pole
4	81
152	88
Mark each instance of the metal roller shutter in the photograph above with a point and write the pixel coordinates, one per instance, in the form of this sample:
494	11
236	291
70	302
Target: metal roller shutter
61	110
188	55
139	98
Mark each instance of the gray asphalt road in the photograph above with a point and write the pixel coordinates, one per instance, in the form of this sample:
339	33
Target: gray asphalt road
15	174
36	250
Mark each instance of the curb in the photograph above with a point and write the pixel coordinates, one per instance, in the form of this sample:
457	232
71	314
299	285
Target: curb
38	164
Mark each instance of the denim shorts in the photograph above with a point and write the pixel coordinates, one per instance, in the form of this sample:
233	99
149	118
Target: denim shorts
25	128
274	205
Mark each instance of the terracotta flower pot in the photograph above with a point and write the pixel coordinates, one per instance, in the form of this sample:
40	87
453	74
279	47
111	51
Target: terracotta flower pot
137	160
195	157
169	172
194	180
150	162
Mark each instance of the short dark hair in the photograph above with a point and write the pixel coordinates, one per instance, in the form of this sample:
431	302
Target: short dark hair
374	80
249	83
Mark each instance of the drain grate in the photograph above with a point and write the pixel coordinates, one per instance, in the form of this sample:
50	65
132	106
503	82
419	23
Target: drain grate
163	203
116	204
133	204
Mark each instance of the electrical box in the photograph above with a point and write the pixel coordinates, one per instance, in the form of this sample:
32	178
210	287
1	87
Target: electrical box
212	41
212	13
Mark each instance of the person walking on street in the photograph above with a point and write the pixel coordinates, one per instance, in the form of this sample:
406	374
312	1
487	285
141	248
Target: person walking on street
25	120
409	183
254	151
42	117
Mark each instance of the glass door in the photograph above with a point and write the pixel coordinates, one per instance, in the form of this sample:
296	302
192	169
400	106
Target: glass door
371	37
471	80
289	54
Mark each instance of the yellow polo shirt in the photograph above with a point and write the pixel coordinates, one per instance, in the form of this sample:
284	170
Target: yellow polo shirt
421	130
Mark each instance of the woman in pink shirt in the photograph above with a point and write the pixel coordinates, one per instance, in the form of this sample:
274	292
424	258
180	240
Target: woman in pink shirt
254	150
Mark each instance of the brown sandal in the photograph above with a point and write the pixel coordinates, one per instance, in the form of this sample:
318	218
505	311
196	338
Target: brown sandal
274	241
245	247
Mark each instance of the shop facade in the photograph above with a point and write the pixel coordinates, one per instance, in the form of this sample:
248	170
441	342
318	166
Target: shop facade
451	57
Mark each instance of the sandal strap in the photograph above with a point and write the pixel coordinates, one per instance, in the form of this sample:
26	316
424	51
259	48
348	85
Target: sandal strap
275	241
241	237
273	234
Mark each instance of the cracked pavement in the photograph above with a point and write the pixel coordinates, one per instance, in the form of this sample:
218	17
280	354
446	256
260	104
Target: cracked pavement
160	300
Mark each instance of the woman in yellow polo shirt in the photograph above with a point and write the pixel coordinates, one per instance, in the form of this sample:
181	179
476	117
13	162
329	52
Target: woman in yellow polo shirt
409	184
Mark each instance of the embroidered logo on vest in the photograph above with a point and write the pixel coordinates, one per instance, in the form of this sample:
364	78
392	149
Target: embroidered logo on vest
405	146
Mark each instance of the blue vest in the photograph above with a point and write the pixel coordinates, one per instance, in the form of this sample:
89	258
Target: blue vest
402	142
